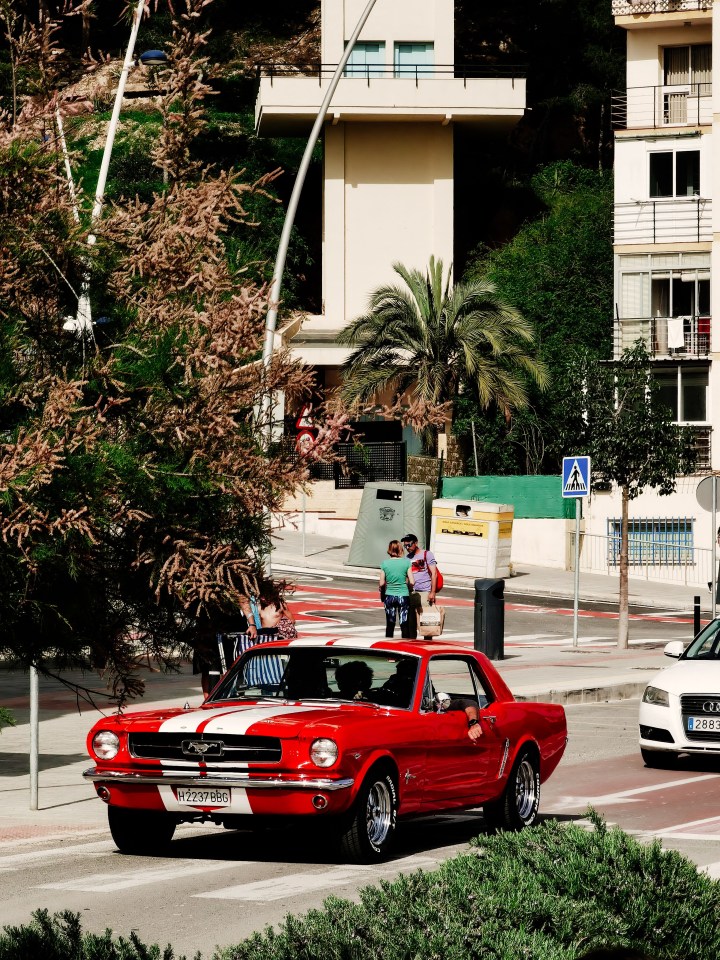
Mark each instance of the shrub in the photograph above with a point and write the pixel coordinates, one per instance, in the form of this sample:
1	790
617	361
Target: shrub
551	893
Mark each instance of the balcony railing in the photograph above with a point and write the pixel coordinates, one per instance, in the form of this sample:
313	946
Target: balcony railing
369	72
664	337
625	8
681	220
680	105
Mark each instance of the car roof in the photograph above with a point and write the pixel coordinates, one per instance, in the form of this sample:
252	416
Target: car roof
417	648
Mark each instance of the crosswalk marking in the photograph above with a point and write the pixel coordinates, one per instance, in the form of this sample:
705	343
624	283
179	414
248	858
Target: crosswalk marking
279	888
123	880
297	884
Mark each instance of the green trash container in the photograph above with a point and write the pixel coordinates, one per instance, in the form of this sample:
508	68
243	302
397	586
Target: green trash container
387	512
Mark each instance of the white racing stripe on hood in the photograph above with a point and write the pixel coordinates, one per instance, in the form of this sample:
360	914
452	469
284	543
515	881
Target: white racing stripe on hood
190	722
240	721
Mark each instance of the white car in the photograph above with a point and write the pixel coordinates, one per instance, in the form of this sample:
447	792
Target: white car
680	709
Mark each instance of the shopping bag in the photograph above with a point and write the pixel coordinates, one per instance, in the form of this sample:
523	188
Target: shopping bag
431	620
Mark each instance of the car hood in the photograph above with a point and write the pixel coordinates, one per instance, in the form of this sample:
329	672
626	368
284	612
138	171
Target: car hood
689	676
285	720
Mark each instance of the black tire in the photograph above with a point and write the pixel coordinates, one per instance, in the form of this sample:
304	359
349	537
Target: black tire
658	759
140	831
367	836
518	806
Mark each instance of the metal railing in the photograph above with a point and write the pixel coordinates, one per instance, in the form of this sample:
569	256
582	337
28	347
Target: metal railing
688	104
664	336
672	220
369	72
357	463
622	8
649	559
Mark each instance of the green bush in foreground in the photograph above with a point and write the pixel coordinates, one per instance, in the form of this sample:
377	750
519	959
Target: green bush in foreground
551	893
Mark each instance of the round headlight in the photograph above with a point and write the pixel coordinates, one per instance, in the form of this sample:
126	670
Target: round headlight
106	744
323	752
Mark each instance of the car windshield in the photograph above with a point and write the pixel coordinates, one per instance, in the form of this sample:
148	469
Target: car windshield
327	673
706	645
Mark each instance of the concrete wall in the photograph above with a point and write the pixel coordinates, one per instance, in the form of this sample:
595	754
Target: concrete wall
407	21
683	503
388	196
644	50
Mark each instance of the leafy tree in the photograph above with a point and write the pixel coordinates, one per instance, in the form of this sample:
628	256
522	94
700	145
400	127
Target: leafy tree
431	341
134	466
558	272
629	433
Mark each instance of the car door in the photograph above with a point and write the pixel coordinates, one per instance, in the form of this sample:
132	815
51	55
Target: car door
457	769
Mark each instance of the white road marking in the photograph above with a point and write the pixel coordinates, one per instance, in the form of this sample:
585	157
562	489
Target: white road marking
279	888
16	860
627	796
298	884
685	830
119	880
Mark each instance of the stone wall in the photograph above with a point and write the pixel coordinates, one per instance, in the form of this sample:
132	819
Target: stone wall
425	469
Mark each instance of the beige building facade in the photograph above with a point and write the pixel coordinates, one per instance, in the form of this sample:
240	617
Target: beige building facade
388	152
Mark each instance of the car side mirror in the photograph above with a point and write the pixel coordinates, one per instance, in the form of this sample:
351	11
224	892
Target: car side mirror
442	702
675	648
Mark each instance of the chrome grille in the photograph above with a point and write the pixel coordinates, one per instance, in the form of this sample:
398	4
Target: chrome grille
223	748
692	705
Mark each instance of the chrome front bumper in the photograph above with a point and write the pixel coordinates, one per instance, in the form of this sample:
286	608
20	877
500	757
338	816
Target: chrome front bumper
239	780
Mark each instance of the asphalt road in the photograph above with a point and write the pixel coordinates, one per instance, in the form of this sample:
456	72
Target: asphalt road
217	887
527	618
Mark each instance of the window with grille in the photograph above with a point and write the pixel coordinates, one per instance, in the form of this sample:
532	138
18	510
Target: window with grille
653	541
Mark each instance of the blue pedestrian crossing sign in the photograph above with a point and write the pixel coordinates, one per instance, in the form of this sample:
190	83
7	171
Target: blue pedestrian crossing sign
576	477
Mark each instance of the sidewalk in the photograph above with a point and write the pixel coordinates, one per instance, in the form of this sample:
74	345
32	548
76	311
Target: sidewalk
590	672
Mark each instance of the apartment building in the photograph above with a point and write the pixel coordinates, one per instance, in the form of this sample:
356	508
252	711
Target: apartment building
665	258
388	153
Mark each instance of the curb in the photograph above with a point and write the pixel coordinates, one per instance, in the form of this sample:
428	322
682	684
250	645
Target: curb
599	694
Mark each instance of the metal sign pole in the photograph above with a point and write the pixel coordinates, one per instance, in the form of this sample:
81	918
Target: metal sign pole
576	603
34	737
576	483
713	601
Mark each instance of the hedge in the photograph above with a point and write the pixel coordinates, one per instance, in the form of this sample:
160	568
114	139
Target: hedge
554	892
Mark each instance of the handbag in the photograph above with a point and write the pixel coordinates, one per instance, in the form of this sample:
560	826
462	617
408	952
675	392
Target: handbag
439	580
431	621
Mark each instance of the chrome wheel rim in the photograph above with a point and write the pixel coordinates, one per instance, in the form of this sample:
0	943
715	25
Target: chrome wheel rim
379	812
525	790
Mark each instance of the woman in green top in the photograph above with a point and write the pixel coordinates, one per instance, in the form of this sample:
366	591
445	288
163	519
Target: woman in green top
397	580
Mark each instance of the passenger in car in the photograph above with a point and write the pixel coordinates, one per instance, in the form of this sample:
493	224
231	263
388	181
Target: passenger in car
397	690
354	680
305	679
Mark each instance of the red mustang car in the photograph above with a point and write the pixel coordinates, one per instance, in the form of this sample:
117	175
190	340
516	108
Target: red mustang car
354	733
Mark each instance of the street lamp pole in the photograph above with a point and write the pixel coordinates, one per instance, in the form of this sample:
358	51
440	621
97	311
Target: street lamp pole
82	322
276	282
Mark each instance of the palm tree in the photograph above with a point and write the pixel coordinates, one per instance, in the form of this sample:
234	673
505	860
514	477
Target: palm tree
431	340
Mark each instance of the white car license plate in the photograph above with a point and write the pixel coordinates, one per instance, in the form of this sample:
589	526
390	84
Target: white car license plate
196	797
704	723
